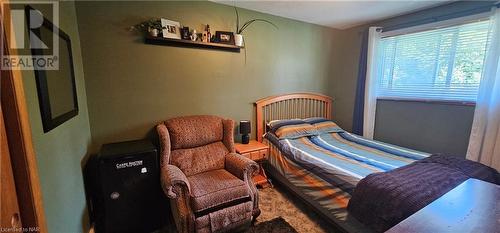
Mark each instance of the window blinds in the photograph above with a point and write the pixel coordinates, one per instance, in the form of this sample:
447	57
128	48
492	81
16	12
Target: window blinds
440	64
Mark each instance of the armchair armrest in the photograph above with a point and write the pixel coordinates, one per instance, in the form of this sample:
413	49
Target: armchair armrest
228	138
172	179
241	166
164	138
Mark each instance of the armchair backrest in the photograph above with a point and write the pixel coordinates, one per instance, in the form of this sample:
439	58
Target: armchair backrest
196	144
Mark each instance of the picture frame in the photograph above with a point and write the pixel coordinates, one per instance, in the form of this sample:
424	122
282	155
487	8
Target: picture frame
171	29
224	37
56	89
185	33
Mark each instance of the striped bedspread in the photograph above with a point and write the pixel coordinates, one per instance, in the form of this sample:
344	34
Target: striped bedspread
336	162
331	198
344	158
328	167
376	154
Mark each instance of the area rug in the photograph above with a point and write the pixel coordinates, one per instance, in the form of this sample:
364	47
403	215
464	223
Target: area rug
277	202
277	225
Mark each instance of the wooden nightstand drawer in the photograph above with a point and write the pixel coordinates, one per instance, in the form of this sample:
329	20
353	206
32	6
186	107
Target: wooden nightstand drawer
263	153
247	155
254	150
254	155
259	155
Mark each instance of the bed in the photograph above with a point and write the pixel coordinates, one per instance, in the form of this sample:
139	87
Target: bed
299	164
323	170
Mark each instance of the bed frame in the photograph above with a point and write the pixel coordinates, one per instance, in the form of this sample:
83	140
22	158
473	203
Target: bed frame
290	106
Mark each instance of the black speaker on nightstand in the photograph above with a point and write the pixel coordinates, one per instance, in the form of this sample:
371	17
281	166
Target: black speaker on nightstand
124	188
245	131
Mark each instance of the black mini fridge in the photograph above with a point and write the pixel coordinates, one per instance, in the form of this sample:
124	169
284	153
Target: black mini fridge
124	190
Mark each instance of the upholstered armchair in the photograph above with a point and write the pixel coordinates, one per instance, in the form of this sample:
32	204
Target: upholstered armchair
210	186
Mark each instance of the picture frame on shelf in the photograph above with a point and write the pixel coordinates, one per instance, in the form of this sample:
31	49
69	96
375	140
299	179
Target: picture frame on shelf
224	37
185	35
171	29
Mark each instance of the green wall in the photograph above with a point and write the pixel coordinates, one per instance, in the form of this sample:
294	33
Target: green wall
345	78
430	127
131	86
60	151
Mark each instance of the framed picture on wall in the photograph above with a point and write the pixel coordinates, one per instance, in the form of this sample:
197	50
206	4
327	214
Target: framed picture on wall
224	37
171	29
56	88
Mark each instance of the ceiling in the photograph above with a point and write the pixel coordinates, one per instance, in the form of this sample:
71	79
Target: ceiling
335	14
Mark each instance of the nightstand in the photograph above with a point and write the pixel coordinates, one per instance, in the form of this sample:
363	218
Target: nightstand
257	152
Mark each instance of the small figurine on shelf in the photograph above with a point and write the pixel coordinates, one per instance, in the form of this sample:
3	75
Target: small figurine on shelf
204	37
194	35
209	35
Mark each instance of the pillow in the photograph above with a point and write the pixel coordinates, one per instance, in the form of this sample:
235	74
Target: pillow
278	123
324	125
290	129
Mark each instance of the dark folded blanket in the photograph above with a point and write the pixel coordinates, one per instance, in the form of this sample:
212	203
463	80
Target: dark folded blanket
381	200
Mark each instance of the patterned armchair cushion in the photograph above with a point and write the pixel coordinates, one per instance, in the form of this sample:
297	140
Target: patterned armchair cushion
193	131
324	125
199	159
217	189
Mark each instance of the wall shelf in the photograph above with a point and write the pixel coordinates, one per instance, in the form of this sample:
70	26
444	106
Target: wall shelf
191	44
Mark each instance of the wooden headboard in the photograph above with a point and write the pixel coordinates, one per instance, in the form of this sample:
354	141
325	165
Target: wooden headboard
290	106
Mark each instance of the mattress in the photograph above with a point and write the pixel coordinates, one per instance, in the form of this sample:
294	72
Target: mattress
326	168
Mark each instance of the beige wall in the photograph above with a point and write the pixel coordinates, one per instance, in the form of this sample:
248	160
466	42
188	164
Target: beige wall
131	85
60	151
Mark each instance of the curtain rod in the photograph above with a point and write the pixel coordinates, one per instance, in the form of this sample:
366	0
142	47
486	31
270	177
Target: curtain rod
445	17
436	25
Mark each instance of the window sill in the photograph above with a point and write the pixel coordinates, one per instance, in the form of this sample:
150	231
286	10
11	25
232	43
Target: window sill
430	101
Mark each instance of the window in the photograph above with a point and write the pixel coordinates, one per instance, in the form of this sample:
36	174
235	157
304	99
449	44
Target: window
440	64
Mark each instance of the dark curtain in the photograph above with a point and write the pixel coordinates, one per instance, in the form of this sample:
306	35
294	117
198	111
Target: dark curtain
359	103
